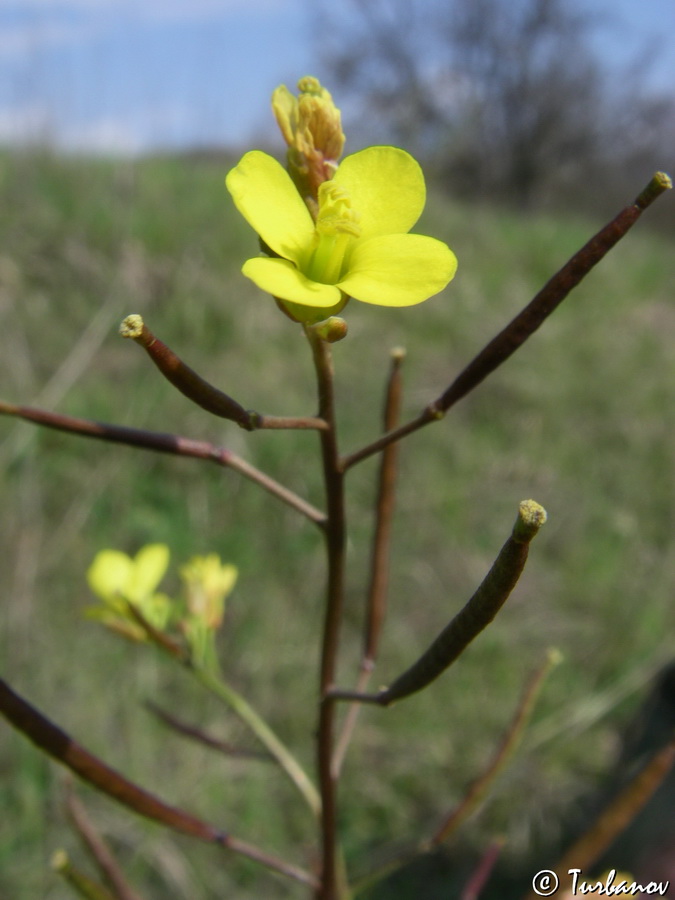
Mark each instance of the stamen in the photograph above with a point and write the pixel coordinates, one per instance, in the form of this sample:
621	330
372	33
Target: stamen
337	225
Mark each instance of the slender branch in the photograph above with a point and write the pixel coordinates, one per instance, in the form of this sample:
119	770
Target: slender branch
474	887
479	611
477	789
504	752
264	733
379	565
621	811
168	644
61	747
335	550
97	847
165	443
379	580
242	708
618	815
527	321
197	389
202	737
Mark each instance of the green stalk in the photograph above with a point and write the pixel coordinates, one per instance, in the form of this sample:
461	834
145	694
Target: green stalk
264	733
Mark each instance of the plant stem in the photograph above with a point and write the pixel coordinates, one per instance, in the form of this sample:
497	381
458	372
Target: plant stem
476	791
479	788
264	733
207	740
97	848
331	888
61	747
379	558
620	812
162	442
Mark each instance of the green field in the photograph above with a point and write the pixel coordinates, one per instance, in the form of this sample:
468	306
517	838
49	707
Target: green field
581	419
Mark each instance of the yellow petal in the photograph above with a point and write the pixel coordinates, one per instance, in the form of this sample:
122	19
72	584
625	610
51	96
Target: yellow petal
285	108
398	269
386	186
150	566
266	197
109	574
281	279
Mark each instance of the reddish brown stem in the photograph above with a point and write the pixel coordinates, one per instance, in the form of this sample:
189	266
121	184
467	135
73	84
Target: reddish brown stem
335	551
202	737
379	579
61	747
479	879
379	566
527	321
97	848
165	443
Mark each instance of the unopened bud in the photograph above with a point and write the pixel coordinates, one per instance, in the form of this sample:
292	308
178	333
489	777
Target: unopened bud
331	330
312	128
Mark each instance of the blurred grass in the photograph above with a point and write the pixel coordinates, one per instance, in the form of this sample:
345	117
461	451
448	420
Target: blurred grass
581	419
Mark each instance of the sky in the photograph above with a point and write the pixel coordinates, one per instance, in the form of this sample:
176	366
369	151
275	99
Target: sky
129	76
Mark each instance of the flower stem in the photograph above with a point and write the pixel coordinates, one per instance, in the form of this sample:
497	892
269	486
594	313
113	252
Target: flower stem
264	733
212	682
332	887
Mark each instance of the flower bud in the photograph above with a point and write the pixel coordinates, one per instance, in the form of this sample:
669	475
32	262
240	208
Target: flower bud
208	582
331	330
312	128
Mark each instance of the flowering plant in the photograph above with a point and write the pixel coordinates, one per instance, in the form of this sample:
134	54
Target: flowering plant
329	232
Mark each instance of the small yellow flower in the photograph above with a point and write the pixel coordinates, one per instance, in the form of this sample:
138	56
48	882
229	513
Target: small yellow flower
359	245
208	583
119	580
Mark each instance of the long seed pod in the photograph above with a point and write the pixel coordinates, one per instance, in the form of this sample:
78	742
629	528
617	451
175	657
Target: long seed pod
478	612
188	382
61	747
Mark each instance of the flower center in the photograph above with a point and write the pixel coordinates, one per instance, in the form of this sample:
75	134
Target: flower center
337	226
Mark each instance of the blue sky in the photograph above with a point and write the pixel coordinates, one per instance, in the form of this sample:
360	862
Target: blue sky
130	75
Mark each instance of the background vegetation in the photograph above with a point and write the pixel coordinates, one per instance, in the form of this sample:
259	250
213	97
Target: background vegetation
508	101
581	420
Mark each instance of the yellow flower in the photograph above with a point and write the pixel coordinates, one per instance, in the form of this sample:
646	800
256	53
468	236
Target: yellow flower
359	245
119	580
208	583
